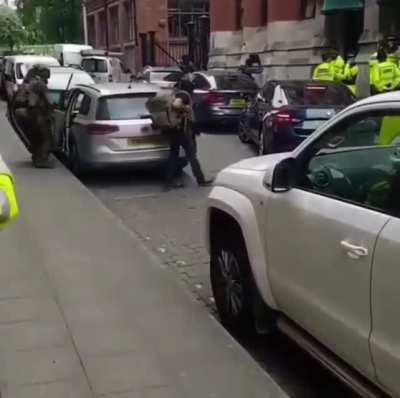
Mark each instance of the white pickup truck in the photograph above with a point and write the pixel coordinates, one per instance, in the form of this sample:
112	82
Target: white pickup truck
309	242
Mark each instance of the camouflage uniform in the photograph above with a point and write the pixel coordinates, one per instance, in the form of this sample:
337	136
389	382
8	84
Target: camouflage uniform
33	96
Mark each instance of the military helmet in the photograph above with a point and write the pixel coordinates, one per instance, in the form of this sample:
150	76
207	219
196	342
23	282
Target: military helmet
38	70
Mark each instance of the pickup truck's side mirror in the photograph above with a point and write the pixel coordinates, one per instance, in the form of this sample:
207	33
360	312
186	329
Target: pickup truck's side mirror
284	175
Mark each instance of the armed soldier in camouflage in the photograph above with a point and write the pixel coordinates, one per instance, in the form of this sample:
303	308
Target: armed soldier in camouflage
33	96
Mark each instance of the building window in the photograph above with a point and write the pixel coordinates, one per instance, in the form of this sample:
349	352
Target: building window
114	26
180	12
239	14
102	28
91	30
264	12
309	8
389	22
128	26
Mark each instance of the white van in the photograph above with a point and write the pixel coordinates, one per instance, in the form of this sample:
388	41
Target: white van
104	67
70	54
17	66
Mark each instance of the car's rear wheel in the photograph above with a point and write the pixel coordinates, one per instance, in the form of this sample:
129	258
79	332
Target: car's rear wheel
74	161
242	133
266	142
232	283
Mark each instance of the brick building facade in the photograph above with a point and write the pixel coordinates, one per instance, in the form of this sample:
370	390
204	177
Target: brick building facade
288	35
131	21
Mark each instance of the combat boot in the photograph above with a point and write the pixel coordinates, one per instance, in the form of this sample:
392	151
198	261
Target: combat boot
41	163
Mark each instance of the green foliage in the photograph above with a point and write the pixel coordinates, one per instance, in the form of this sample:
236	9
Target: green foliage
53	21
12	32
34	35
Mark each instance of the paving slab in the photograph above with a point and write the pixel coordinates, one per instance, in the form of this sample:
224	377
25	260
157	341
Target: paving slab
126	325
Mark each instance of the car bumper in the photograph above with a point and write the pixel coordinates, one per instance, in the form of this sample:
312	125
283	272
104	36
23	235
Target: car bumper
105	157
220	117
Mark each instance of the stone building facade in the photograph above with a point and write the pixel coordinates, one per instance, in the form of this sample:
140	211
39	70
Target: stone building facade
289	35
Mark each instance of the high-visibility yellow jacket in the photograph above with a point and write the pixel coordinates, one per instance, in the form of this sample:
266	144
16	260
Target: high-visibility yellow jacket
324	72
384	76
351	73
339	68
390	130
9	209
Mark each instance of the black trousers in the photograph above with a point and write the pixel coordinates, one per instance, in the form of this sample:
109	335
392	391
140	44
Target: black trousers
41	139
177	140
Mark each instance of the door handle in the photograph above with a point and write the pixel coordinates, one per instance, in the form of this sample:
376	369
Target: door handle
353	251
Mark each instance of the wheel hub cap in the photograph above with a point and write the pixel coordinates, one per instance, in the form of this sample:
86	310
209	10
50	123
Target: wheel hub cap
231	282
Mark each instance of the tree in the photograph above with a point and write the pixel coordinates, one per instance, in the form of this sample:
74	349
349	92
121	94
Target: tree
34	35
12	32
59	21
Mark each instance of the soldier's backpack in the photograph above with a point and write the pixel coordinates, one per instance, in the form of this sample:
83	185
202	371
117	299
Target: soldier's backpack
162	113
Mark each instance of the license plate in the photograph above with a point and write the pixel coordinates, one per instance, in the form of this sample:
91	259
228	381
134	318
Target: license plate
313	125
151	142
238	103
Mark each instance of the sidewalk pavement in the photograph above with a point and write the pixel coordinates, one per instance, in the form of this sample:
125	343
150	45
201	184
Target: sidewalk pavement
86	311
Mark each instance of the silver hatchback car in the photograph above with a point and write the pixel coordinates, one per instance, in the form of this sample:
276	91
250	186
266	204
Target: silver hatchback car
109	125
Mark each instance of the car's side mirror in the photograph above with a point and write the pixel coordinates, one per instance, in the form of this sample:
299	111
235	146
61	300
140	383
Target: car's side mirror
284	175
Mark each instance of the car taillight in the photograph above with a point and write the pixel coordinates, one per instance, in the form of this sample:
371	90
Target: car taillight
110	78
285	118
101	129
214	98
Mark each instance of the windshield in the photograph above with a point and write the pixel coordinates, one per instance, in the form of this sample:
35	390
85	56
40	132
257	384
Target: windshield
317	94
235	82
123	107
92	65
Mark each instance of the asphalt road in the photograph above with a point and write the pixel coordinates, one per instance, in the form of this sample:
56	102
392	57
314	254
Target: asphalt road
171	225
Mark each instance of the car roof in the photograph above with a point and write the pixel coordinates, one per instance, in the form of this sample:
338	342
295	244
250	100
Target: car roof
221	72
100	57
62	77
31	59
72	47
120	88
393	96
162	69
66	69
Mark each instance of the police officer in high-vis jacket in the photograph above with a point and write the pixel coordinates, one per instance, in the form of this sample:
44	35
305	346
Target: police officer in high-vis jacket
8	200
326	70
384	76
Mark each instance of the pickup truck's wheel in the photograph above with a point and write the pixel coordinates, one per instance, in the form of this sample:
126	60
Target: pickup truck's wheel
232	284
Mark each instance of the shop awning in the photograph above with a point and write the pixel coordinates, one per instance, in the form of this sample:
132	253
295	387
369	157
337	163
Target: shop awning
333	6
